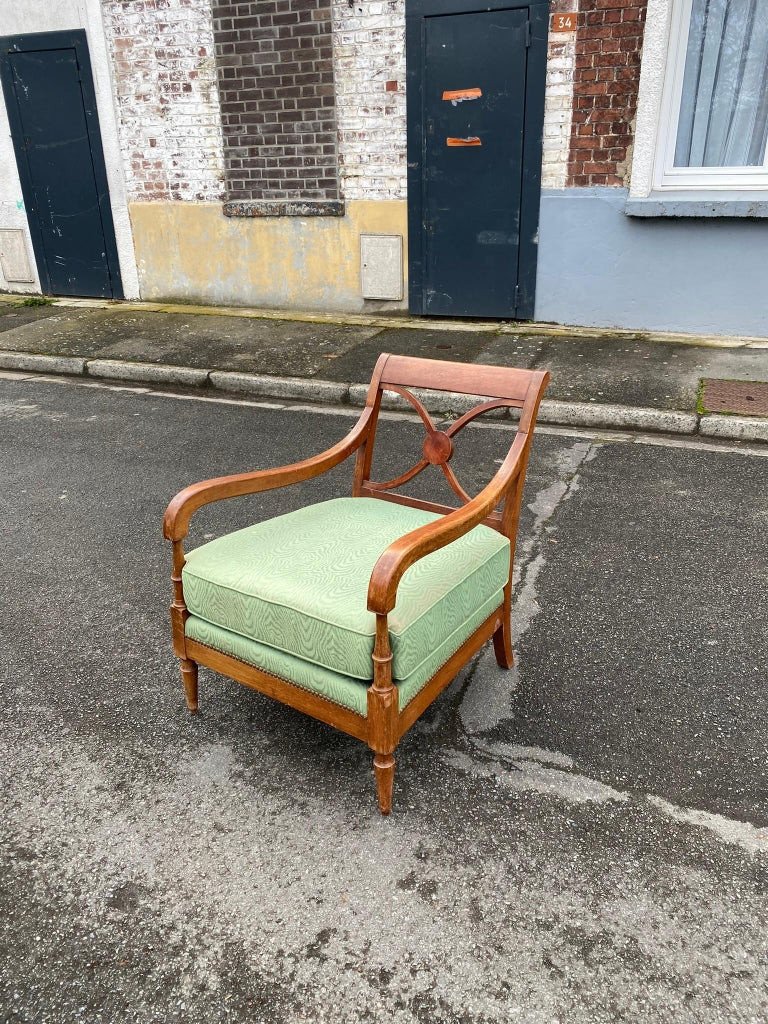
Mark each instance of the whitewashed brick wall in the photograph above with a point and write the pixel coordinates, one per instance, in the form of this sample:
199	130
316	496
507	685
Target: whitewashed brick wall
168	110
167	100
558	104
369	53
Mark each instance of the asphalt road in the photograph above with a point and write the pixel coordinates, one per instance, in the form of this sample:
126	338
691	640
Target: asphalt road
584	839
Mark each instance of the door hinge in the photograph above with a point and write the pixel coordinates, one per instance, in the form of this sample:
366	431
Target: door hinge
527	33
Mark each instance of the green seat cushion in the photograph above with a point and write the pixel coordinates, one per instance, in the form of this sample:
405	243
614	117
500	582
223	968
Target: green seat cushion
299	583
339	689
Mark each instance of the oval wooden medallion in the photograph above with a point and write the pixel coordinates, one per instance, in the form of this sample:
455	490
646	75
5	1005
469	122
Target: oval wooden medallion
438	448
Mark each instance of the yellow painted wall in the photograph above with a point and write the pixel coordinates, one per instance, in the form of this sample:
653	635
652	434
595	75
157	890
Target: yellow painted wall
191	252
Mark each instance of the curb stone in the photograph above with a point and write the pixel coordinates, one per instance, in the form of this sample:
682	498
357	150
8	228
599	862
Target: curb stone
153	373
306	389
42	363
739	428
326	392
573	414
588	414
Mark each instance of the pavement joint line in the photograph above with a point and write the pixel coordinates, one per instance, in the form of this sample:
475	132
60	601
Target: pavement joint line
604	436
322	392
411	323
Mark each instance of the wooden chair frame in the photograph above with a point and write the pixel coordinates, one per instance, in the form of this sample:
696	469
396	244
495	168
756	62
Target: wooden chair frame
385	723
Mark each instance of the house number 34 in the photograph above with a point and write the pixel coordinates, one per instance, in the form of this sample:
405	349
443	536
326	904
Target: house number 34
563	22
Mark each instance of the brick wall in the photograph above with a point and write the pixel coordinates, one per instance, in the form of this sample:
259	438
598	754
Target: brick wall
279	63
606	78
275	63
558	101
369	64
167	102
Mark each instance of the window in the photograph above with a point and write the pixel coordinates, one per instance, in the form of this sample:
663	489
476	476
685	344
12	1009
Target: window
714	123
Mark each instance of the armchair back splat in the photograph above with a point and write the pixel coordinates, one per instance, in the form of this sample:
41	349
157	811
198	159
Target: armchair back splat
371	660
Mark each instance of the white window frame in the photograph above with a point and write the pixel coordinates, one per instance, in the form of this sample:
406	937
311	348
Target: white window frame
665	175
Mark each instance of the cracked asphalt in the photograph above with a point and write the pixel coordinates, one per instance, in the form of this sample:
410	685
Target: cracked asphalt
583	839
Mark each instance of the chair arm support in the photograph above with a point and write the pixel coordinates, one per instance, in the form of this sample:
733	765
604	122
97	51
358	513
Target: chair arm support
188	501
402	553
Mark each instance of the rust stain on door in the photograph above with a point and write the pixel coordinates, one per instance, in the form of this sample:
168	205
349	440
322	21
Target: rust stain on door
459	95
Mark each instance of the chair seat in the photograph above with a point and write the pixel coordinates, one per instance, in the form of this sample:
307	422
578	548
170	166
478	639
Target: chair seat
298	584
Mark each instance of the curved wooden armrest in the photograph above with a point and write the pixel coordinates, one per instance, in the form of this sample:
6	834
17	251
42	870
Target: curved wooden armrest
188	501
402	553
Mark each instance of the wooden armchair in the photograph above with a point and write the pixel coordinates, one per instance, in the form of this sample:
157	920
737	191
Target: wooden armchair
317	608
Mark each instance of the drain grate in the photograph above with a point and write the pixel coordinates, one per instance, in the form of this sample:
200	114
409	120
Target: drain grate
744	397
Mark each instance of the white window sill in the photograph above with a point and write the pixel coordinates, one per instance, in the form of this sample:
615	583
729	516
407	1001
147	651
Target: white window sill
735	203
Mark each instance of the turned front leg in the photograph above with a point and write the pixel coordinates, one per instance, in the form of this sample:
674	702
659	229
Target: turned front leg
179	616
383	714
189	679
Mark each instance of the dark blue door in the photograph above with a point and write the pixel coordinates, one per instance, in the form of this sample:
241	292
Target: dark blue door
49	94
475	110
475	120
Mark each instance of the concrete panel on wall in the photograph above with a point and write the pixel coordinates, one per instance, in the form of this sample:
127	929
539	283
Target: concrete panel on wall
381	267
14	257
600	268
13	216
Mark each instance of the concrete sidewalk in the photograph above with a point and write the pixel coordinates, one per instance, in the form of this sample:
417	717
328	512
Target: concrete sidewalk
609	380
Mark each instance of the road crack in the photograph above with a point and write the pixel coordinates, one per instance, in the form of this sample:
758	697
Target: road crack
489	696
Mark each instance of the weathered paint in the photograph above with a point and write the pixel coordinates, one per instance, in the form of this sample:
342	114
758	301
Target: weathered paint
558	102
369	71
369	76
192	252
166	95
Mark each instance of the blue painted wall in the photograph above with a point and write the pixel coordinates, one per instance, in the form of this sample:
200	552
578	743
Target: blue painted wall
598	267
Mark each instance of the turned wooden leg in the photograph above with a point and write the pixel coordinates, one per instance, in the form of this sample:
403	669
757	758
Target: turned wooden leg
502	645
384	769
189	678
383	715
502	638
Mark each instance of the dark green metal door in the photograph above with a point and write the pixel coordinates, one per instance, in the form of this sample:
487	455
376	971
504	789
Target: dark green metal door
54	124
477	124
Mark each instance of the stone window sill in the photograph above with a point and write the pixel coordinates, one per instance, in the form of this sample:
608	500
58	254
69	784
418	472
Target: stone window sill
699	204
285	208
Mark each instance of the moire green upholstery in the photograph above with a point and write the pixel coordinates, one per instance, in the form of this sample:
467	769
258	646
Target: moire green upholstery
344	690
289	595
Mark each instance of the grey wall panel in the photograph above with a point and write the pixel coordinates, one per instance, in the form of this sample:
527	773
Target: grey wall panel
598	267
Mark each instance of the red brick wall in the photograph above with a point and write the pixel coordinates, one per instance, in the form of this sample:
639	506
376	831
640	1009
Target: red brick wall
609	42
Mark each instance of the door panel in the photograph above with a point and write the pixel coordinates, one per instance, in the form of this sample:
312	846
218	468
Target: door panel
473	161
475	116
58	166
